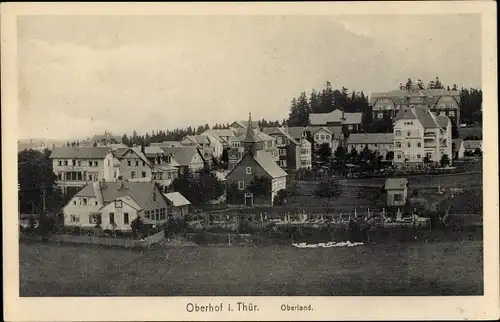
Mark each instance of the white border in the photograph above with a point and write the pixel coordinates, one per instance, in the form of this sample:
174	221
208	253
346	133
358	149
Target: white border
337	308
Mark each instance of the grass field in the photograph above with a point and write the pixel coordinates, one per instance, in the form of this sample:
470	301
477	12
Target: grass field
441	268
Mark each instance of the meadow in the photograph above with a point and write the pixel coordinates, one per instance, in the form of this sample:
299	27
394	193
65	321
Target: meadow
435	268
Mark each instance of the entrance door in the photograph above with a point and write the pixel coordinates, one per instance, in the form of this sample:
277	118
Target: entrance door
248	199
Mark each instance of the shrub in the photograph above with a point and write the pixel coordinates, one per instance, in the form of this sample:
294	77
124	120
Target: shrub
328	188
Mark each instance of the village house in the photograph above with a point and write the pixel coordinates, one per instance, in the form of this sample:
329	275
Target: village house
217	142
382	143
256	179
114	205
241	126
101	140
293	153
267	142
396	190
224	135
458	149
186	157
420	135
470	146
337	117
178	205
76	166
438	101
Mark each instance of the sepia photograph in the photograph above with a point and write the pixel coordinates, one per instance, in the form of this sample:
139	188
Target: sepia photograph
252	155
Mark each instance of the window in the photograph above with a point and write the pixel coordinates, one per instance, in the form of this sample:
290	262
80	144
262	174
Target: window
398	197
79	163
327	137
375	144
60	175
399	156
248	170
132	174
162	214
146	214
419	144
398	144
397	133
114	174
108	162
282	152
95	219
143	174
118	204
125	218
380	115
90	176
136	163
111	218
409	144
283	163
74	202
65	162
408	133
316	137
75	218
169	175
84	200
129	163
143	163
96	163
451	113
241	185
90	163
418	156
59	162
157	215
322	137
96	203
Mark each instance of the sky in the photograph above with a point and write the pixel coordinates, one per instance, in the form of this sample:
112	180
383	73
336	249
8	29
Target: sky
82	75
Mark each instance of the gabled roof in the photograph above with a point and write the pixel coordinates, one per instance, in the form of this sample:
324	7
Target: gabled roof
223	132
120	152
430	96
80	152
371	138
336	116
115	146
395	183
177	199
167	144
426	118
197	139
276	130
140	192
265	160
183	155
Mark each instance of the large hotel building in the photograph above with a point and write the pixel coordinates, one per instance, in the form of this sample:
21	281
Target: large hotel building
438	101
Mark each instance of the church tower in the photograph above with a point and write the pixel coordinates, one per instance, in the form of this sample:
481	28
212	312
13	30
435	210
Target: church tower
250	142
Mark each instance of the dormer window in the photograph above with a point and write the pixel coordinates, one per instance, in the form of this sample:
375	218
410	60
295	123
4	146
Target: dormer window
118	204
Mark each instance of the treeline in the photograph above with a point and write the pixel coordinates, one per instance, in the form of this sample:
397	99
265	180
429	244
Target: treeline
327	100
178	134
471	101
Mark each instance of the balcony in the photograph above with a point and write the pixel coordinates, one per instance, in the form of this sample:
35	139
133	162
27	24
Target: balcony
429	135
430	145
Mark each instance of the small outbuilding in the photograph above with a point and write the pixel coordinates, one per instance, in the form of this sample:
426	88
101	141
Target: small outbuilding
396	190
178	205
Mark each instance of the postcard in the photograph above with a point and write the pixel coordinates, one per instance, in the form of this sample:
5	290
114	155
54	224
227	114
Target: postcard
250	161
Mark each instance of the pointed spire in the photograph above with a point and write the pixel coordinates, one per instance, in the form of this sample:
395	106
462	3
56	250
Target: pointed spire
250	136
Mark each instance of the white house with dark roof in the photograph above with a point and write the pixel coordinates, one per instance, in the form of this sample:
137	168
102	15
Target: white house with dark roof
353	121
419	134
178	205
256	163
114	205
382	143
77	166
